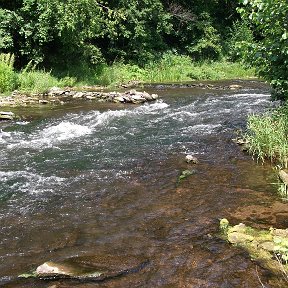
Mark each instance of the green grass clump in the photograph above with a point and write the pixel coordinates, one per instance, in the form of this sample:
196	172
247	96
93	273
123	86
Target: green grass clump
8	78
36	81
172	67
267	135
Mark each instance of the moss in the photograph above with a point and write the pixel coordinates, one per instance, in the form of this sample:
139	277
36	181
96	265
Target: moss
268	247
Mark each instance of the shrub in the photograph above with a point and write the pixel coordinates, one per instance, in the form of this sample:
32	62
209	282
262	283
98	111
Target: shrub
240	37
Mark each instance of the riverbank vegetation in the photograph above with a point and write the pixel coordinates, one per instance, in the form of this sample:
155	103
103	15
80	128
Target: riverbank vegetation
268	133
170	68
97	43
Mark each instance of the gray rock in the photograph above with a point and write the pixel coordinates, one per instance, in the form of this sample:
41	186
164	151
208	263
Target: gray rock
119	99
78	95
55	91
90	97
137	99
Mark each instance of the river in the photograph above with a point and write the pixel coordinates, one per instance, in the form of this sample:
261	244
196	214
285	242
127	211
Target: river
88	179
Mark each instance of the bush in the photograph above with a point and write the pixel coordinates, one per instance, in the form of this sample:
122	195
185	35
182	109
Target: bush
240	37
8	78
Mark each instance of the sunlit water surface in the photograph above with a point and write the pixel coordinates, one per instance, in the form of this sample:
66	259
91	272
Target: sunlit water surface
89	180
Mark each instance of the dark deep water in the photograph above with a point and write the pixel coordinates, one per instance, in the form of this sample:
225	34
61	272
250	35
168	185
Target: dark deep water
82	180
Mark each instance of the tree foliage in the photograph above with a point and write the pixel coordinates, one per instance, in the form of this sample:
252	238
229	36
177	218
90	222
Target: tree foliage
270	52
66	32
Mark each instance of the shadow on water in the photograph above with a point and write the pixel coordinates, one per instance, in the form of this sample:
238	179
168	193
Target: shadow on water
82	181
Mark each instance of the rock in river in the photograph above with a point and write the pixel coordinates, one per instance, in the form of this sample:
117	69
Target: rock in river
7	115
191	159
98	267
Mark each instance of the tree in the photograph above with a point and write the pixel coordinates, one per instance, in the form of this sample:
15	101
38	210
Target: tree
269	54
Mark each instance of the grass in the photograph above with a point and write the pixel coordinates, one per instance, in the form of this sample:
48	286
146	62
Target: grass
8	78
170	67
267	136
173	68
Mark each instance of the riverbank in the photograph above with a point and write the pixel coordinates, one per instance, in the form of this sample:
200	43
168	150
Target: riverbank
169	69
61	96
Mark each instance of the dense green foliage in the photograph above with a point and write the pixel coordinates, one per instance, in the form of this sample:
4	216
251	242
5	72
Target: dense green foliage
269	54
66	34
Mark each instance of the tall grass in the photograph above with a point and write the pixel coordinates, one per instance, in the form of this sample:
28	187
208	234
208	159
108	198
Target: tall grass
172	68
8	78
267	136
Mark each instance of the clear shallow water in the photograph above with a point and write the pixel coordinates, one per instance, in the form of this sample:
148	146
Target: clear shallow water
84	181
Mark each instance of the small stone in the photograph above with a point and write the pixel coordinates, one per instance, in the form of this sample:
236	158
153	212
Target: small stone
154	96
283	176
90	97
235	87
41	101
238	228
78	95
191	159
119	99
55	91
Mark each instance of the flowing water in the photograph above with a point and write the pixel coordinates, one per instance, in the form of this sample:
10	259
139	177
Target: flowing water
94	179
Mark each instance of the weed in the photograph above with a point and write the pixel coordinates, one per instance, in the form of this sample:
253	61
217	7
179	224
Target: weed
8	78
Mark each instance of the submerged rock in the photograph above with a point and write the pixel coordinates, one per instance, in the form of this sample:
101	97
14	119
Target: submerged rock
98	267
59	270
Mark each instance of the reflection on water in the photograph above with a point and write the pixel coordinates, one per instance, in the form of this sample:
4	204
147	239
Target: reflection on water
84	181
